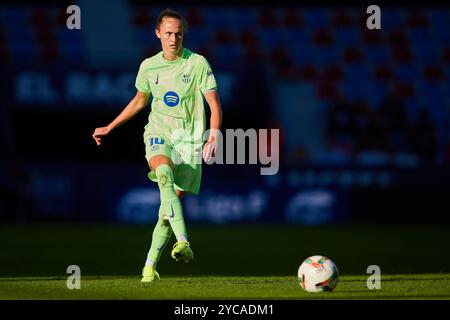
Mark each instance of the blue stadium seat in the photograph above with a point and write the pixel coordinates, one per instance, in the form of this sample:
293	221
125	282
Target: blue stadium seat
327	55
19	33
353	90
425	52
432	96
303	54
226	55
413	106
406	71
347	36
14	16
23	51
392	18
317	18
420	35
443	36
356	71
439	18
199	37
272	38
378	54
377	92
292	37
243	18
216	18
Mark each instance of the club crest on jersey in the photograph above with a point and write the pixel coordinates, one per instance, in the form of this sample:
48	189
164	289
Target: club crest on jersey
171	99
186	78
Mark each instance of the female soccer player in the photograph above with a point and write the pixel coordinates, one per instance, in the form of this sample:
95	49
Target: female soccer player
177	79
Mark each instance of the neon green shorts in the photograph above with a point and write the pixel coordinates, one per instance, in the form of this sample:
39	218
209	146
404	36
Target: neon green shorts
186	158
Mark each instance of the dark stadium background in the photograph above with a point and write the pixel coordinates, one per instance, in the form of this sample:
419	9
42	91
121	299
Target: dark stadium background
363	118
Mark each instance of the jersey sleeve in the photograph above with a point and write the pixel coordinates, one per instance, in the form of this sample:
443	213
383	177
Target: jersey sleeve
141	80
207	81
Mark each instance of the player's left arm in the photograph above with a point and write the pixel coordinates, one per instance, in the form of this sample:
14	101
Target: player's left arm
212	98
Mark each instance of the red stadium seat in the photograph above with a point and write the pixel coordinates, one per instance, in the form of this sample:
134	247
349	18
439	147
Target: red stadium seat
402	54
397	38
404	90
222	36
267	18
323	37
328	90
142	18
292	19
371	37
446	54
352	55
194	18
247	38
417	19
342	19
307	73
433	72
39	18
332	73
383	72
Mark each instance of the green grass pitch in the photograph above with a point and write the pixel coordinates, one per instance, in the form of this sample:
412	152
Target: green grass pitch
231	262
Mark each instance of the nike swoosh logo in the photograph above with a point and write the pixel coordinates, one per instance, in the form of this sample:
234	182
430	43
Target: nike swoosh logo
157	78
173	213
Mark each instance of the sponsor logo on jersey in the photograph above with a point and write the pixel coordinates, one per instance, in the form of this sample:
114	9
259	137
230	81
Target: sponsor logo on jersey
186	78
156	140
171	99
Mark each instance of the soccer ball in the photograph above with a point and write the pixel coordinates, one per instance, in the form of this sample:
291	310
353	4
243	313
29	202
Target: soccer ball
317	274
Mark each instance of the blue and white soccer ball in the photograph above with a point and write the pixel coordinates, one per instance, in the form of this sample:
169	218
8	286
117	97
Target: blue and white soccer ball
318	274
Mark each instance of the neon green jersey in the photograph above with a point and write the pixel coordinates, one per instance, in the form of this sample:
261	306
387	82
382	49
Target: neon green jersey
177	88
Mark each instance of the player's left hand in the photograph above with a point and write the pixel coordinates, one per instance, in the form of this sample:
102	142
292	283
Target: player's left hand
209	150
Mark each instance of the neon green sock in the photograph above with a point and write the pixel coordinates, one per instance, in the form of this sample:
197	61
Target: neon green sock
170	203
161	236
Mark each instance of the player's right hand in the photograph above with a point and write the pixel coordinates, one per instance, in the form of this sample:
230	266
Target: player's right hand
99	133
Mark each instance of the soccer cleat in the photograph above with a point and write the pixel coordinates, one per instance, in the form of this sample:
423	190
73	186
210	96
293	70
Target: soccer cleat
182	251
149	274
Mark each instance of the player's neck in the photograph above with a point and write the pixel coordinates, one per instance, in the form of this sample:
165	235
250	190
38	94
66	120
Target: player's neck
172	56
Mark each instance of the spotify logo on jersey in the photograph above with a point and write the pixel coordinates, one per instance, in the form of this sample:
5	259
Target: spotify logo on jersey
171	99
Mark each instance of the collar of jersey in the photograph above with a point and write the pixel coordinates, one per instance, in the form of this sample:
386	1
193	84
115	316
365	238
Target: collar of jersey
174	61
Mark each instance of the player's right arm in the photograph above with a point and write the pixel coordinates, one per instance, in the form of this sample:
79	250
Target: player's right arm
134	106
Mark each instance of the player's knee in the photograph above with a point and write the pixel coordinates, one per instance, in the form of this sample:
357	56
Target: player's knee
164	174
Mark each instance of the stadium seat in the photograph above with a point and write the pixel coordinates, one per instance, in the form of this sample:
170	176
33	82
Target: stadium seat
393	19
417	19
322	37
352	54
222	36
342	19
332	72
317	18
433	72
326	55
383	72
356	71
268	19
194	18
292	19
328	90
404	89
347	36
142	18
406	71
371	37
402	54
